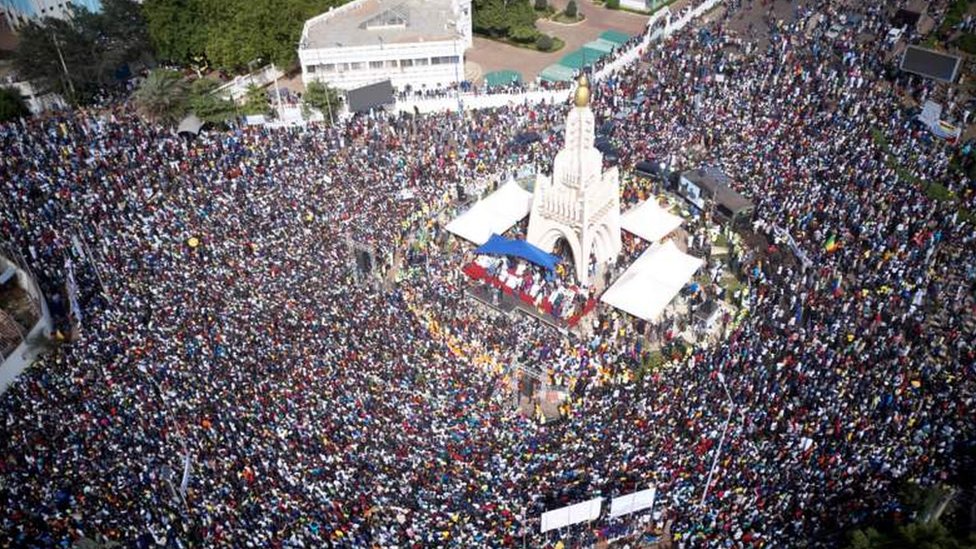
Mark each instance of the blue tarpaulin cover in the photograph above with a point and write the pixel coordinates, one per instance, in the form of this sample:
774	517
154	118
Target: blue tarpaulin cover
499	245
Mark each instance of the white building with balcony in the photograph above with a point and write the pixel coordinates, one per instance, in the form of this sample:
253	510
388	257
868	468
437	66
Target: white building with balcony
412	43
19	12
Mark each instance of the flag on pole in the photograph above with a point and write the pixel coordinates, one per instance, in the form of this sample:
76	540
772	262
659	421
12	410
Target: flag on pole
72	287
186	474
831	244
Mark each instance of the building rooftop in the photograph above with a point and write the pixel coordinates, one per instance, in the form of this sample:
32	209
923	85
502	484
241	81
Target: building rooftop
720	185
375	22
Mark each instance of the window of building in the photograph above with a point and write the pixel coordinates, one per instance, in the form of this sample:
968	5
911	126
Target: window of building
376	64
406	63
391	64
311	69
355	66
421	62
328	67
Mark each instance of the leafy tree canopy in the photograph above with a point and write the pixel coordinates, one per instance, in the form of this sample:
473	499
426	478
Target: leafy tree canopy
321	97
230	33
502	19
162	96
207	106
571	9
256	101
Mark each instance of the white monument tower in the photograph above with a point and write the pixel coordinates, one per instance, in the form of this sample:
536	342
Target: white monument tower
580	202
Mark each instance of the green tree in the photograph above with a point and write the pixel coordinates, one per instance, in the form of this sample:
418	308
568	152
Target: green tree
12	104
868	538
523	34
93	47
613	4
162	96
541	5
208	106
497	18
967	43
571	10
544	42
324	98
38	58
177	28
925	535
256	101
230	33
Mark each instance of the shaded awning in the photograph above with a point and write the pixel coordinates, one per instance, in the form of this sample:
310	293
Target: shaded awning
557	73
604	46
502	78
650	221
931	64
494	214
190	124
579	59
499	245
652	281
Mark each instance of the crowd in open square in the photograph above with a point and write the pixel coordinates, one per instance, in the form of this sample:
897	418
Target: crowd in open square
223	332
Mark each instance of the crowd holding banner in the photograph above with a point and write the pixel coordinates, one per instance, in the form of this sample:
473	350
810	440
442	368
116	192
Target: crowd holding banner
235	385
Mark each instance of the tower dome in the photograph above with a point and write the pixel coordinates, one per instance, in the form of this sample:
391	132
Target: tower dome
582	97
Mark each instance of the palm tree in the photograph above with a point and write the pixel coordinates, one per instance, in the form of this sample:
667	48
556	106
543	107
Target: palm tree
161	97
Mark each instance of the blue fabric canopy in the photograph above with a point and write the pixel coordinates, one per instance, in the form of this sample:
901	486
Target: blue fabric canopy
499	245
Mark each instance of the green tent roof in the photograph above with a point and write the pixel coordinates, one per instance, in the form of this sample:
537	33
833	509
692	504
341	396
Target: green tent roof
580	58
502	78
592	55
605	46
557	73
615	36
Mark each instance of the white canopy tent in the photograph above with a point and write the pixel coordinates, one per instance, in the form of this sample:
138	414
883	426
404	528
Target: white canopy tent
496	213
633	502
650	221
572	514
651	282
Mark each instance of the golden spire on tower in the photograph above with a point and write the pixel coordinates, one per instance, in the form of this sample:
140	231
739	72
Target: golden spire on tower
582	97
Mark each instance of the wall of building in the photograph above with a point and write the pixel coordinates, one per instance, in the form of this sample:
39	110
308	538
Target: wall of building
434	64
19	12
37	103
32	346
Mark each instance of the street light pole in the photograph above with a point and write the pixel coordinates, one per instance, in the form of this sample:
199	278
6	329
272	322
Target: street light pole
281	112
64	66
721	442
457	77
57	47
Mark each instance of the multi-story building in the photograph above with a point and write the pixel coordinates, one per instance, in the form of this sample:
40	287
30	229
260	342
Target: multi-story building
412	43
18	12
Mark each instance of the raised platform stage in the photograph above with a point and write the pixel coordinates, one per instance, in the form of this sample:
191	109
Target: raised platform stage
502	300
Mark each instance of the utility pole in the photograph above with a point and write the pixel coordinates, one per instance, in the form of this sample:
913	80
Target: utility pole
721	442
64	66
281	111
57	47
457	77
328	103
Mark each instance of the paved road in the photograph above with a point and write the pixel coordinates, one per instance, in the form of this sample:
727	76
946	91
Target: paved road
492	56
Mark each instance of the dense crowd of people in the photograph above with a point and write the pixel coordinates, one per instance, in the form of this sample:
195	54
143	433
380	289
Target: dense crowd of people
235	383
